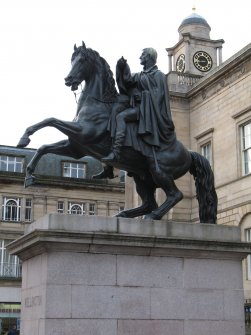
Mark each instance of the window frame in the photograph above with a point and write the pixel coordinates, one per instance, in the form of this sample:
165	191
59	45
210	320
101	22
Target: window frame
60	207
244	149
203	139
28	209
247	234
10	262
205	145
241	118
5	209
80	205
9	163
91	208
74	167
122	176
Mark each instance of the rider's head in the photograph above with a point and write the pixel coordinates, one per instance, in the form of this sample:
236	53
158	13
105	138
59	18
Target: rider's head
148	57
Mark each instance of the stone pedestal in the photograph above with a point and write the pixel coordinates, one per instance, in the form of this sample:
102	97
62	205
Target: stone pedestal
110	276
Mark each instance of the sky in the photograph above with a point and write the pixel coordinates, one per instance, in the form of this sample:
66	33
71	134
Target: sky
37	39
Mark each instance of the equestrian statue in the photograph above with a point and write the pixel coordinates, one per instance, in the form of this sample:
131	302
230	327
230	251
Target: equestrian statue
131	130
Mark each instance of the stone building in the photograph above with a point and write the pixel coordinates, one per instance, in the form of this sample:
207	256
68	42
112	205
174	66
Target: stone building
211	108
62	185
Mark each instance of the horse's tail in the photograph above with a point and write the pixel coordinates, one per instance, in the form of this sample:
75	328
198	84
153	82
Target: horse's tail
205	190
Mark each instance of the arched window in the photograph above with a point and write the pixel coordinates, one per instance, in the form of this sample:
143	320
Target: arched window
11	209
74	208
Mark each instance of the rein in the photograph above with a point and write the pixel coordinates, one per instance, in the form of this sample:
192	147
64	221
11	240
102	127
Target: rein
76	94
94	98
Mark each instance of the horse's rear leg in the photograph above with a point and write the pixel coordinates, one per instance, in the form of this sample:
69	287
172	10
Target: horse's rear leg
145	189
174	195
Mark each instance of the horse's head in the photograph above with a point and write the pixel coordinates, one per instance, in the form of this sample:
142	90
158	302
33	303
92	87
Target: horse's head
81	66
88	65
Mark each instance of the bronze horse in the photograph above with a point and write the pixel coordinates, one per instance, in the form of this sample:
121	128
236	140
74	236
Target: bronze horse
87	135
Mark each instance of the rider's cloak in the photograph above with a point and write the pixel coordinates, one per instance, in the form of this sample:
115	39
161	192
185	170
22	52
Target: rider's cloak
155	125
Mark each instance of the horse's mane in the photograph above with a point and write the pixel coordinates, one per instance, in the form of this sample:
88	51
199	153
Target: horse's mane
94	57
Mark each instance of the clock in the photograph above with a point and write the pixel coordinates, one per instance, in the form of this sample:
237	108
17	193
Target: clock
180	64
202	61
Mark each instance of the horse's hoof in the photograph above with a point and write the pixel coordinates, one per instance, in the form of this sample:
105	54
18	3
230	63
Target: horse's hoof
24	141
121	215
151	216
29	181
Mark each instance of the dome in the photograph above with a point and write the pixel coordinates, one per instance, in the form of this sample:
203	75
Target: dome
195	25
194	18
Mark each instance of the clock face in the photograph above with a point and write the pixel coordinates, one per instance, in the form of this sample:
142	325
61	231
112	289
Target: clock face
180	64
202	61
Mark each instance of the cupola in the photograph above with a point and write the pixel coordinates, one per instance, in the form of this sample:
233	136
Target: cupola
195	25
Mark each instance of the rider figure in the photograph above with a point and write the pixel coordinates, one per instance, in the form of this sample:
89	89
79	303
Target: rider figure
149	104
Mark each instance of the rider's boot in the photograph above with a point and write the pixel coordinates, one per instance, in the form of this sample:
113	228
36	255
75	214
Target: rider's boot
114	156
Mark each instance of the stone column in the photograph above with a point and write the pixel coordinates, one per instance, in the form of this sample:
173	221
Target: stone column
170	62
219	55
114	276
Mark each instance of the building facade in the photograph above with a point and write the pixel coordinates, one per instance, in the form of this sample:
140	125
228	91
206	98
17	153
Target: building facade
62	185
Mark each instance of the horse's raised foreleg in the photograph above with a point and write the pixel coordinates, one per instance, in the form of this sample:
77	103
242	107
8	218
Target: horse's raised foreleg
58	148
66	127
145	188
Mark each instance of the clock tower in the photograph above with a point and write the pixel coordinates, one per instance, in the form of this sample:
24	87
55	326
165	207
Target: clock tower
195	53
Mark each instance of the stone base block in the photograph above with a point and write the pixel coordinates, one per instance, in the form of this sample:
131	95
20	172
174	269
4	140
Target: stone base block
110	276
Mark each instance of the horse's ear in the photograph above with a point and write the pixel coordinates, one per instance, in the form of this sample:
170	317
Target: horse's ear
75	47
83	45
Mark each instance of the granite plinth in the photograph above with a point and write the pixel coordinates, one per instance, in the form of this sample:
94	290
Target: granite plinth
114	276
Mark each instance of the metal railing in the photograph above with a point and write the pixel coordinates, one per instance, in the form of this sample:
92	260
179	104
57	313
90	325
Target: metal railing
10	270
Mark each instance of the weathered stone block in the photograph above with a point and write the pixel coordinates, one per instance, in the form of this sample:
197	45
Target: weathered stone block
110	302
81	269
150	327
145	271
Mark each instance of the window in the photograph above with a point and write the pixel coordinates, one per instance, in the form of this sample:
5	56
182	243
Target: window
60	208
81	208
11	163
247	309
28	210
248	239
9	265
206	151
11	209
121	208
76	208
92	209
122	176
246	148
205	144
10	315
74	170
